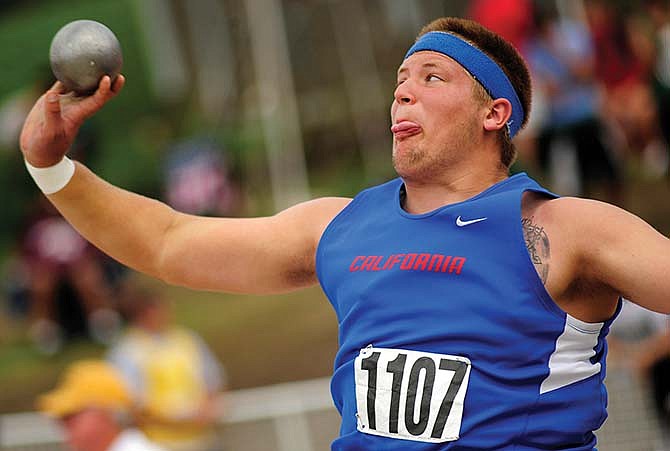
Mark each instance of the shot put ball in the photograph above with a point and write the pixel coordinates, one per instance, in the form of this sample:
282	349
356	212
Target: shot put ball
82	52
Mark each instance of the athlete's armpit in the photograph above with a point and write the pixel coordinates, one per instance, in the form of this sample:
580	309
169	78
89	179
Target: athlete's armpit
537	243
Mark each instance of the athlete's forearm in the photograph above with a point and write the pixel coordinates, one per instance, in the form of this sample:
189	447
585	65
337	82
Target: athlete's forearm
127	226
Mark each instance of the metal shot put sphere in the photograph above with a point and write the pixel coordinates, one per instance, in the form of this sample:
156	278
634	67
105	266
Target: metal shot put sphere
82	52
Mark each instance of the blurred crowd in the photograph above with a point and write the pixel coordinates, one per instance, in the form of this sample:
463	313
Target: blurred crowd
158	387
601	90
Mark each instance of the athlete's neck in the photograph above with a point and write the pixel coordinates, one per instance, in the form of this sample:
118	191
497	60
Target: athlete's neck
424	196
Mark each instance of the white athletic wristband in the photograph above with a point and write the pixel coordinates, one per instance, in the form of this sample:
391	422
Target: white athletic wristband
54	178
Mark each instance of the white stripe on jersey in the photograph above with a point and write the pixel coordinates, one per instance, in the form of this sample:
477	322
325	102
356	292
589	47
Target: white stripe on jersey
570	361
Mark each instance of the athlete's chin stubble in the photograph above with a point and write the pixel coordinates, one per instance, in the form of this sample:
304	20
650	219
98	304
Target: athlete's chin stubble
415	163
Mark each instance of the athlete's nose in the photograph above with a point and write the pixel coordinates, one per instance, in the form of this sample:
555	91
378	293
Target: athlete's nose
403	93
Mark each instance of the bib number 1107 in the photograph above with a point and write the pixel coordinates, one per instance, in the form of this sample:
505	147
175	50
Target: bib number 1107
410	395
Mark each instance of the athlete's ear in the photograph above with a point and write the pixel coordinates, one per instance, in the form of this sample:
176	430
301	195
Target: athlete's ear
499	113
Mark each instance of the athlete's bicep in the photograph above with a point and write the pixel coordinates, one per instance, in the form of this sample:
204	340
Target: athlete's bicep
250	255
624	252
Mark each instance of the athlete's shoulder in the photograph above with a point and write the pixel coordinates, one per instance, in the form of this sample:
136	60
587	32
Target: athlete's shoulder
311	217
329	207
324	208
584	222
575	210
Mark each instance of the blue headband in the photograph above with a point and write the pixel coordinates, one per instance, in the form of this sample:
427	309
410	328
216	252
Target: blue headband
479	65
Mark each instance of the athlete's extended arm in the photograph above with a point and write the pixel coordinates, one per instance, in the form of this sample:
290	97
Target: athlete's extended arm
259	255
620	250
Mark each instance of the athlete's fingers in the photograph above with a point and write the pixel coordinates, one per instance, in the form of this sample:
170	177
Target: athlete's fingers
52	109
59	87
91	104
118	84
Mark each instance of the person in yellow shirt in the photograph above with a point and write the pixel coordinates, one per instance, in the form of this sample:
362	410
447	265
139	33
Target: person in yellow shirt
174	378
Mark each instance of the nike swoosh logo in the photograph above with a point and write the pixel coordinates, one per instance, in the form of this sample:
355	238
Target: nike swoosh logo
461	223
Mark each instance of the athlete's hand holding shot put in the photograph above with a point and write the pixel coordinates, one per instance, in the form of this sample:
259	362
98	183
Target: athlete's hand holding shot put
473	306
54	120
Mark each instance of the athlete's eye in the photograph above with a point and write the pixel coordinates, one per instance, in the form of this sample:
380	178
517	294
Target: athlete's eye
433	77
399	82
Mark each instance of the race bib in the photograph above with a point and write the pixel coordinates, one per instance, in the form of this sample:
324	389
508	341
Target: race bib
410	395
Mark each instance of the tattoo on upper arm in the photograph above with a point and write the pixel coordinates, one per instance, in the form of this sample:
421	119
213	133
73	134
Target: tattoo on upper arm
537	243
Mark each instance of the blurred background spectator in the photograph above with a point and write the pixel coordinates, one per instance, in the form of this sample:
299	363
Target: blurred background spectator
640	343
624	64
658	12
197	179
93	406
572	147
653	364
174	378
68	289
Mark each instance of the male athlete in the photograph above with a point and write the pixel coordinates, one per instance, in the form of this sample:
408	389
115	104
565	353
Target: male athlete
472	306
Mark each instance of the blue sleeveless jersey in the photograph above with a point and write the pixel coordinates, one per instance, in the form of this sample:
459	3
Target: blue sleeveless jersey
448	338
